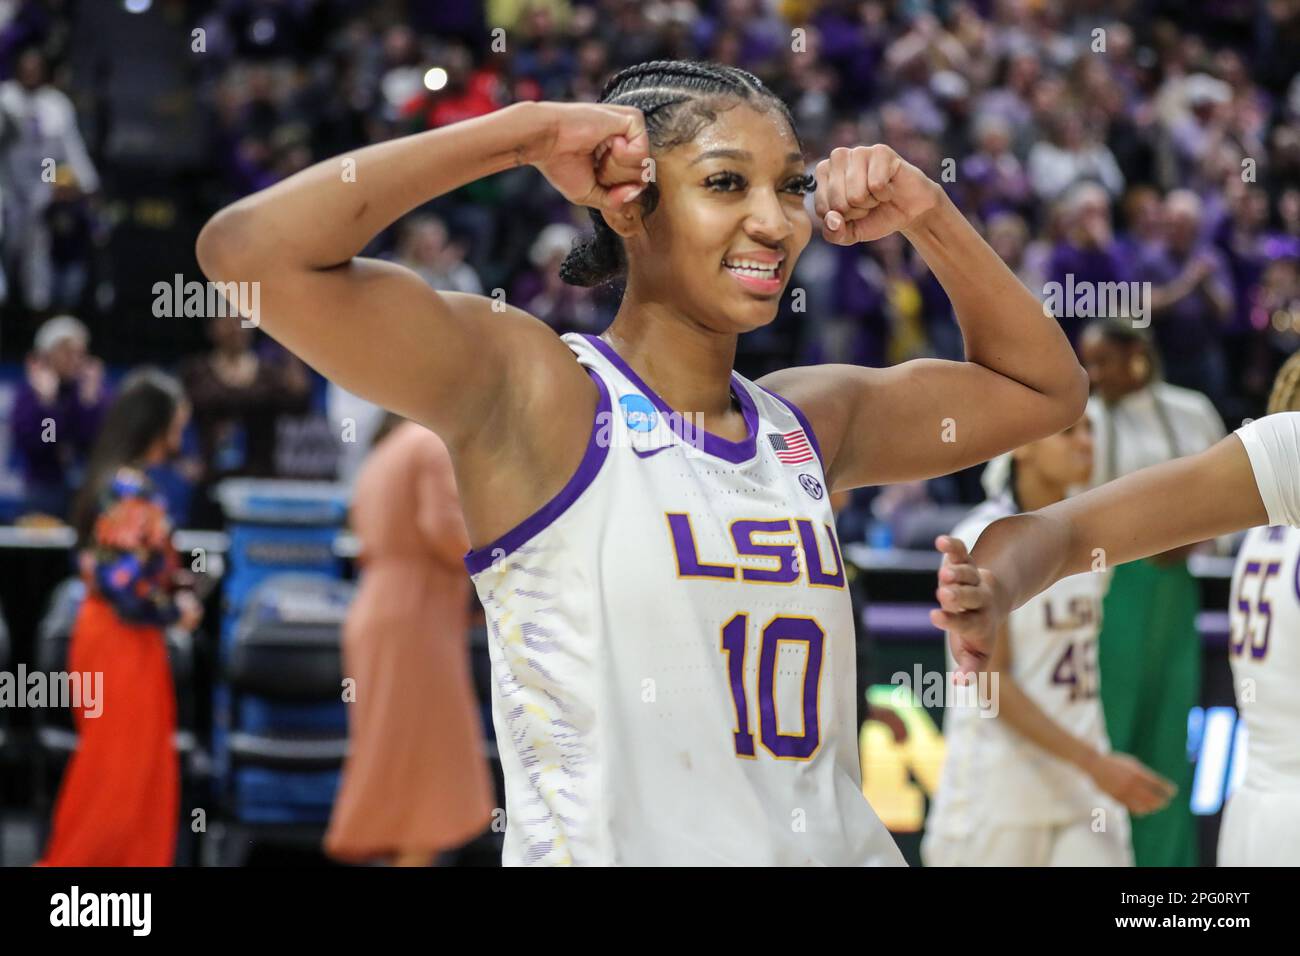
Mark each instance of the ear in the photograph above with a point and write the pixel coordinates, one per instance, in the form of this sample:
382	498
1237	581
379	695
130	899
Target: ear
625	219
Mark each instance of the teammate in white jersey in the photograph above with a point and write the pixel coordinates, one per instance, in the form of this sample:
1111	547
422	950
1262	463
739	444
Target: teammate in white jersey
1248	480
1261	823
1029	778
672	643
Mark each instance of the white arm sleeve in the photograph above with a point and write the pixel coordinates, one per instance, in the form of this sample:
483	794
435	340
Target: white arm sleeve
1273	445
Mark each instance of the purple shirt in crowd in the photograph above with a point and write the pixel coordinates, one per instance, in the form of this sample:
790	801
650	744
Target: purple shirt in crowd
1093	265
1190	325
75	428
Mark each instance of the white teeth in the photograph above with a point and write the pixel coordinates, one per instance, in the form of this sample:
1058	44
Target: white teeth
755	270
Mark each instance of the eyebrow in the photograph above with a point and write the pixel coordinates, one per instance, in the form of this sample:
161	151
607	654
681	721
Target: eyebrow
738	154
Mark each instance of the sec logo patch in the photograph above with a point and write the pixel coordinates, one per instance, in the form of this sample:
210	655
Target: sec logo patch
812	486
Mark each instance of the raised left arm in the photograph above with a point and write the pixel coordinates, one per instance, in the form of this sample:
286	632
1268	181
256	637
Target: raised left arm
1020	382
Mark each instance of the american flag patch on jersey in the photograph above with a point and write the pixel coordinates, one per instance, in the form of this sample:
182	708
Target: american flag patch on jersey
792	448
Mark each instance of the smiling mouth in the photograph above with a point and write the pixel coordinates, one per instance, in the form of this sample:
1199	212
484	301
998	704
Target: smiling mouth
749	269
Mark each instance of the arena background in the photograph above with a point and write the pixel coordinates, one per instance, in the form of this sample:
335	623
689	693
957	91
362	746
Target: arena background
182	107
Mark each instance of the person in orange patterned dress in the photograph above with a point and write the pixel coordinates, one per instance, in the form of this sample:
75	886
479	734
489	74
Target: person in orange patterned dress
119	801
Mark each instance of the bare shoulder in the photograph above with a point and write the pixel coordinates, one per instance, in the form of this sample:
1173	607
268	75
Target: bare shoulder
531	440
538	376
827	395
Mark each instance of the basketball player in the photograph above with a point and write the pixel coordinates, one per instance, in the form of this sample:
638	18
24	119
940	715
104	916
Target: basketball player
1261	824
1031	780
652	536
1247	480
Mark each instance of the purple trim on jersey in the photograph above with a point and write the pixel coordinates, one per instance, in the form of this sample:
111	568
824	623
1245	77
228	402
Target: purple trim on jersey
476	559
736	452
803	423
1296	581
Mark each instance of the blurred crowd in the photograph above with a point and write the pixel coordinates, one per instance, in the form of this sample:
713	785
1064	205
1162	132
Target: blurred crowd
1152	142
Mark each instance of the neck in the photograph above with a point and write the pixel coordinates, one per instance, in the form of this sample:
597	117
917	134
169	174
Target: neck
1034	490
688	364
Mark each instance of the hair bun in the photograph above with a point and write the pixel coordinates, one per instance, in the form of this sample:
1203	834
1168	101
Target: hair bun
595	258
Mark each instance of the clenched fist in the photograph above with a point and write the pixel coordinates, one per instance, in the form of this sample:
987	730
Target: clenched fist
867	192
592	153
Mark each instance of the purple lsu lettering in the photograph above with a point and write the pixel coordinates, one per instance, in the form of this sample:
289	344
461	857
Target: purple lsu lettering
1077	612
789	567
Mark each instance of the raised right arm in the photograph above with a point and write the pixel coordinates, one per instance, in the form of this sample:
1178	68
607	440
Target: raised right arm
496	384
444	359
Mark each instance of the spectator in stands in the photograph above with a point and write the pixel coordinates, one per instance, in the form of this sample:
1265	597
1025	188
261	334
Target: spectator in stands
1245	245
1087	252
468	92
1072	155
426	249
1191	299
57	414
1009	236
1203	124
408	796
1144	223
69	219
1276	308
993	178
120	798
38	132
1011	99
238	396
542	293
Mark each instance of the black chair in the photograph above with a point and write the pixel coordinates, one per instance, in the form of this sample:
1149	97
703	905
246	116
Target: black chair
285	653
52	727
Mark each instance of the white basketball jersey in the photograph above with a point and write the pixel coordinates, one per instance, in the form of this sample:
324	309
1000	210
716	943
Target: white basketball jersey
991	773
1264	651
672	647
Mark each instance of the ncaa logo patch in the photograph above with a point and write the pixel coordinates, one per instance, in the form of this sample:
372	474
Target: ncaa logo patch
812	486
639	413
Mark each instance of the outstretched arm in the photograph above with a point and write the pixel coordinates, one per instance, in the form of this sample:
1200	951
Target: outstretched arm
1020	382
1250	478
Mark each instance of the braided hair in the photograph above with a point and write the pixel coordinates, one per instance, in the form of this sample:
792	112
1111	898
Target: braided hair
1286	387
678	98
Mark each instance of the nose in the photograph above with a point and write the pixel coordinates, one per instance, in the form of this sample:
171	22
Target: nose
768	221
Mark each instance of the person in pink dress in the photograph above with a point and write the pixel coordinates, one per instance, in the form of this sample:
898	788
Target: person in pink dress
416	782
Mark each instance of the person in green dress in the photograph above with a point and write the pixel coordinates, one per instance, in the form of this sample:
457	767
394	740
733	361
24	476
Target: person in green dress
1149	655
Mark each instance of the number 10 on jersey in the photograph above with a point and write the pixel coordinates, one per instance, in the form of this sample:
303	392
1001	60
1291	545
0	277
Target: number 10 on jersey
780	630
